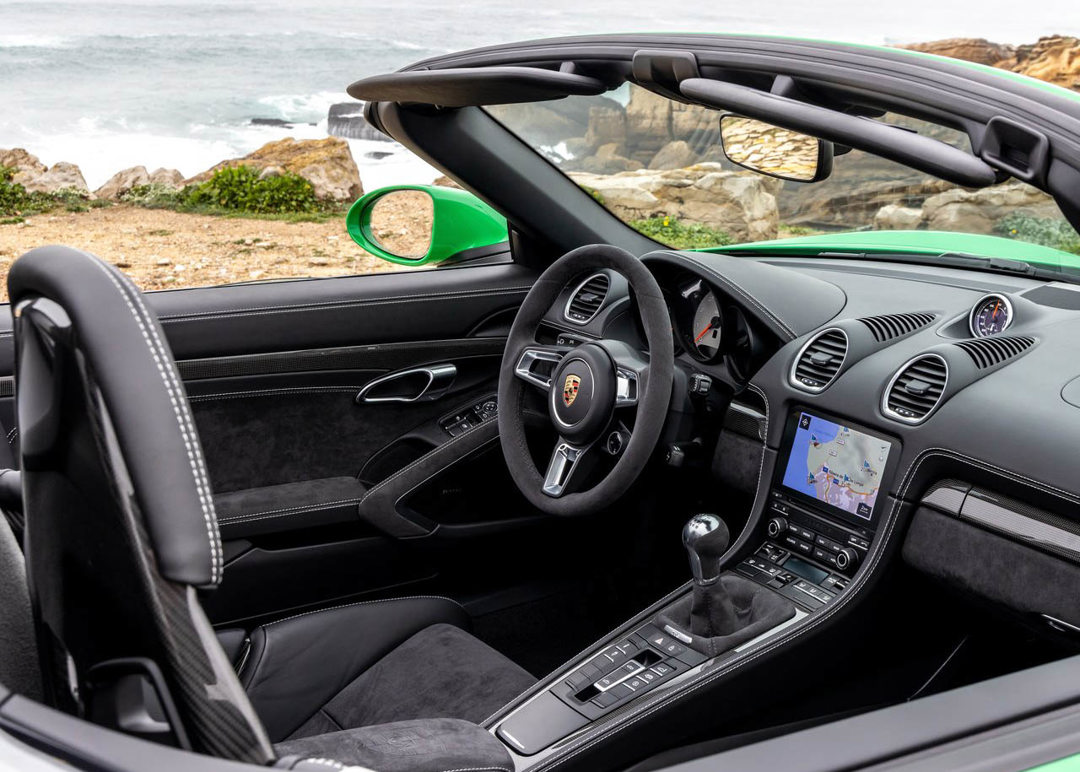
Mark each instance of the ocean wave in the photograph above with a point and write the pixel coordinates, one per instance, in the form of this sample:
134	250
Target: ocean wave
34	41
302	107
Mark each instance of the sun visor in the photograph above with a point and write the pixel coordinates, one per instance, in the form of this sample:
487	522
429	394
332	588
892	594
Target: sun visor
475	86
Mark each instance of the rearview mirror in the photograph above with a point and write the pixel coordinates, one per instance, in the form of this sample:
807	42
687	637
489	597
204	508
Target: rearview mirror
767	149
423	224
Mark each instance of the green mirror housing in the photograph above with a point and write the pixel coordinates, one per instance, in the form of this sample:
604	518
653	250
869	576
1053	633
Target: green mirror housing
423	224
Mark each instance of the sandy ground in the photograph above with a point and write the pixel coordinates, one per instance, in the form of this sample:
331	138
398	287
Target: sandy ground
161	249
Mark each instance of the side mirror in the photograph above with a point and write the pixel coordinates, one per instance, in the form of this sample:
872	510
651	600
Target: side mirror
423	224
767	149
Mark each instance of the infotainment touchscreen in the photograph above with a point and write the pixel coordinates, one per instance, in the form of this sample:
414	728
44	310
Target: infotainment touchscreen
836	465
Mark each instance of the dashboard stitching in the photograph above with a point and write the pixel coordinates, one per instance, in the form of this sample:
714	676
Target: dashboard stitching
333	305
732	285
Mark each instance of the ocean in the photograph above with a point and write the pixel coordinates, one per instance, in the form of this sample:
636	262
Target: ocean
110	84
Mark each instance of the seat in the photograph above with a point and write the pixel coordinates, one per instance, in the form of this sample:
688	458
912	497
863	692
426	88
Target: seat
121	539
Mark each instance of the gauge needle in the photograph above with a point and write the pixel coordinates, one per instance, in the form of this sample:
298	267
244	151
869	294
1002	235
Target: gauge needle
704	332
996	307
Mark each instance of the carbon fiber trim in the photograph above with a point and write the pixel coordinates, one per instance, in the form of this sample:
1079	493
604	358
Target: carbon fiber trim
7	387
745	420
1008	517
387	356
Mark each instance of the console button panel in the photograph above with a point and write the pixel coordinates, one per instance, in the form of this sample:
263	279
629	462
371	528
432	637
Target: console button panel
824	554
625	670
474	415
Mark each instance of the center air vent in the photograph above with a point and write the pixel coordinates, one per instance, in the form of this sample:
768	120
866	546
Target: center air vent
916	389
886	328
987	352
587	298
820	360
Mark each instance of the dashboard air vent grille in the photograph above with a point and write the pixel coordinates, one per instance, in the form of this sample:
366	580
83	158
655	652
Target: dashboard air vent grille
916	389
586	300
820	360
987	352
892	326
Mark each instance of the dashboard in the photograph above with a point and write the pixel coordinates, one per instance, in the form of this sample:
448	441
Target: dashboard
937	376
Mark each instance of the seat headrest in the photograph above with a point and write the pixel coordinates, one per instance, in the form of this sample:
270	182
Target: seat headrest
123	357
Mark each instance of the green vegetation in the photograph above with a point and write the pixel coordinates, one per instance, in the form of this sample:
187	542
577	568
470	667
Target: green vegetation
792	231
596	194
237	191
16	202
1046	231
669	231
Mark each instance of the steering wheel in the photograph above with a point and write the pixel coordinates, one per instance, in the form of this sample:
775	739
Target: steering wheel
585	386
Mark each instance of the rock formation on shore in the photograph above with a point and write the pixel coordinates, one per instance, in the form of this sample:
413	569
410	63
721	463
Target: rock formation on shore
326	163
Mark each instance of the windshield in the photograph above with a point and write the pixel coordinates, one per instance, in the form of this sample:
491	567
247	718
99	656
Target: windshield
658	166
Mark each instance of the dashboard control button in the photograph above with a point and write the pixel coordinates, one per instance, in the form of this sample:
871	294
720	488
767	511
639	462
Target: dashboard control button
847	558
777	526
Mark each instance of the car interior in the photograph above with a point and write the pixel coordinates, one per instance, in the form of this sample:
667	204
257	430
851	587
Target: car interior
550	507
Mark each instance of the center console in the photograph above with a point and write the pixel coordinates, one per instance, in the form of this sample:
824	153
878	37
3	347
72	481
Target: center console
824	505
823	508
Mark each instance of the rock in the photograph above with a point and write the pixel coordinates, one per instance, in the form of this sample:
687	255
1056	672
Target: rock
326	163
346	119
169	178
445	182
608	160
674	155
977	211
648	123
60	176
607	123
22	161
741	204
270	172
977	50
123	181
277	123
897	218
1054	59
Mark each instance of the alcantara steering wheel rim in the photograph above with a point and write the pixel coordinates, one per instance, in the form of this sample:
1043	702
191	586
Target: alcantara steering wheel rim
610	374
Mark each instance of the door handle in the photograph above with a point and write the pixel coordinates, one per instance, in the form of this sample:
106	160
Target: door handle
417	384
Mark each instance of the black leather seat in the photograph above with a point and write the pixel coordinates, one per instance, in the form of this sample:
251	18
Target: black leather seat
121	536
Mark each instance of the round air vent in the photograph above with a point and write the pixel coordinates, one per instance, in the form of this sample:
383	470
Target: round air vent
819	361
916	389
586	299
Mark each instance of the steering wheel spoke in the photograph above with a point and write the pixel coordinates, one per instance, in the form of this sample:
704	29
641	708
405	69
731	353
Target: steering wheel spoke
535	365
631	371
564	467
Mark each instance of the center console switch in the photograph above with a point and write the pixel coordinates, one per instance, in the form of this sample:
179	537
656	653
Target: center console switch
629	668
624	670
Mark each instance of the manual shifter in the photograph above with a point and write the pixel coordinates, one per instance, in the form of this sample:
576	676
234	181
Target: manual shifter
722	611
706	539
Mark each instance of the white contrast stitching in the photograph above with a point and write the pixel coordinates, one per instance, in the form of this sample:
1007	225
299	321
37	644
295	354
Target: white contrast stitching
336	304
363	603
286	512
202	478
272	392
192	450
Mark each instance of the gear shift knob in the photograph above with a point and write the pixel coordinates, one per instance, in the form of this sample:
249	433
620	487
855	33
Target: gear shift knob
706	538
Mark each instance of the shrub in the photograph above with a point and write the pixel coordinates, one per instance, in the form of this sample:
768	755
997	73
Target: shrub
239	188
154	196
16	200
1045	231
669	231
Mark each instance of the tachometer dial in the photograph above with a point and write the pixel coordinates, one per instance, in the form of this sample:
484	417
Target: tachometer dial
990	316
706	328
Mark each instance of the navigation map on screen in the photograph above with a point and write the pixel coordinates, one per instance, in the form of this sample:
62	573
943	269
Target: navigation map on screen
836	465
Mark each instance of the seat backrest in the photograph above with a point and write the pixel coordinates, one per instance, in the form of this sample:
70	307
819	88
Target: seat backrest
120	525
19	669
